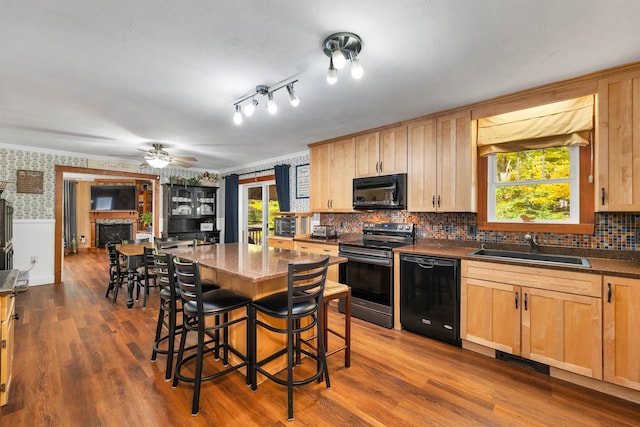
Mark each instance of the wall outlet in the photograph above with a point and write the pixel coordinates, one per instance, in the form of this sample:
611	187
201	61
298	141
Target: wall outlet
34	259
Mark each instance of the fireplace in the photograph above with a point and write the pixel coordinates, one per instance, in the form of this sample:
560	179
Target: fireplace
112	232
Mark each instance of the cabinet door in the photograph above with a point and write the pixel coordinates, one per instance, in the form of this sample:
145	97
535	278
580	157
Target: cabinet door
490	314
393	151
618	150
277	242
320	177
367	155
563	330
621	326
6	350
342	169
456	164
422	166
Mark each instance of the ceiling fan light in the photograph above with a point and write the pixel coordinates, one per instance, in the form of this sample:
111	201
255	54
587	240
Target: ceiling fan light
293	98
157	163
356	68
272	107
338	58
237	116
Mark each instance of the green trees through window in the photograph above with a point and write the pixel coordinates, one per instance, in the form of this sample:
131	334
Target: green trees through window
533	185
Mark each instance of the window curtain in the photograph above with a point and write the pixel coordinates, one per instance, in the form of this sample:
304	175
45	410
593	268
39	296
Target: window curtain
560	124
282	187
231	208
69	207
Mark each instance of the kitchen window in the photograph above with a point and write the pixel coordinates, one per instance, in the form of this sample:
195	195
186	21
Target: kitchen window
535	185
535	168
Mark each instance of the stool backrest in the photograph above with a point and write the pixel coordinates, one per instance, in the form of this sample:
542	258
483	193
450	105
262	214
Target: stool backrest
188	281
306	282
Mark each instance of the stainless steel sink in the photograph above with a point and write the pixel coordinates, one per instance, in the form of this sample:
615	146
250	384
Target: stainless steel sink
531	257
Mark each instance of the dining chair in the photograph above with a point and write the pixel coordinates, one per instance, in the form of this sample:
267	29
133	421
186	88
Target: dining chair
145	275
197	306
117	272
300	306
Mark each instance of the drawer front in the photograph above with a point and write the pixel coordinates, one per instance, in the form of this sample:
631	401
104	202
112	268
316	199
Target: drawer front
275	242
317	248
535	277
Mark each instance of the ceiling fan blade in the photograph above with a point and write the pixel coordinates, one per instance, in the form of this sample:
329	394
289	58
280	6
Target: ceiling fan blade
179	163
184	159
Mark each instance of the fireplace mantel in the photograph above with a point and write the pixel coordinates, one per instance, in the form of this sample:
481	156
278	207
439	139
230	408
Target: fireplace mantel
112	217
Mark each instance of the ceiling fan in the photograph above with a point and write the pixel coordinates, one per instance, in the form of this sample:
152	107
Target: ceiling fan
157	157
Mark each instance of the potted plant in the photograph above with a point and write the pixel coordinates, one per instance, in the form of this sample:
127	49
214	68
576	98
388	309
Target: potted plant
147	220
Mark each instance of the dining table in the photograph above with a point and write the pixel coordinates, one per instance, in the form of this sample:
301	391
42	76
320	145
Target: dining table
253	270
133	254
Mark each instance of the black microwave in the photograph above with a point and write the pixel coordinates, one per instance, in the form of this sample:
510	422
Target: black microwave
380	192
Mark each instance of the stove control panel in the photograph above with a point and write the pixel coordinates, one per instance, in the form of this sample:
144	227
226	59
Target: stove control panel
387	228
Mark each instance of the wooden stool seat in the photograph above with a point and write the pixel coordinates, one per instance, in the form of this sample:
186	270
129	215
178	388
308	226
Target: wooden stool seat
332	291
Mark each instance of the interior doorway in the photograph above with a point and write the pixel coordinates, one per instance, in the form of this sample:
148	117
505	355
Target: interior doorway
63	172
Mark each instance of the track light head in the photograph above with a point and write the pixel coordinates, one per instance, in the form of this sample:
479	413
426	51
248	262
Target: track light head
237	116
272	107
332	74
293	98
250	108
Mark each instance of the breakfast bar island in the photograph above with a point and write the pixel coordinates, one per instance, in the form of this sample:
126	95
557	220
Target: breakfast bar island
254	271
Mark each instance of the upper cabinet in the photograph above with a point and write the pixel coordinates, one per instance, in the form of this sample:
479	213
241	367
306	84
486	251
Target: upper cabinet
617	159
190	212
442	164
332	169
381	153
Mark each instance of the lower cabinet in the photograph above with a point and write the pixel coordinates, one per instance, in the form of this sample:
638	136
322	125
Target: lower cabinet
7	325
621	299
323	249
513	309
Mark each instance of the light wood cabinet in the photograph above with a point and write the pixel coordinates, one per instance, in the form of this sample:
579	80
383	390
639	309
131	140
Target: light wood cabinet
281	242
549	316
323	249
617	159
442	164
332	168
8	280
381	153
621	319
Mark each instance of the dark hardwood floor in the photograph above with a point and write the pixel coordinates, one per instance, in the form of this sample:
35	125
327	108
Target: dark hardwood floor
81	360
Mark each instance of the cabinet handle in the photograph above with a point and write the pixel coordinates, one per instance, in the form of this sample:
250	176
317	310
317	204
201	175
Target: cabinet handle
608	292
517	300
525	302
328	203
438	200
377	171
433	201
602	195
380	166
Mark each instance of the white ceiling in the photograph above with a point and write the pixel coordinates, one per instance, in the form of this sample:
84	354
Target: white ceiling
103	78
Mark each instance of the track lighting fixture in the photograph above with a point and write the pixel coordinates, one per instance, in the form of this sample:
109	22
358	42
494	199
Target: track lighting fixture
263	90
339	47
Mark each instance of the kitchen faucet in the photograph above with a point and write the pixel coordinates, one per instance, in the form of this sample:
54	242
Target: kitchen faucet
531	239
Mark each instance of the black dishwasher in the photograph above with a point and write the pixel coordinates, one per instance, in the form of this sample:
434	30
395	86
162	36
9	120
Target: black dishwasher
430	296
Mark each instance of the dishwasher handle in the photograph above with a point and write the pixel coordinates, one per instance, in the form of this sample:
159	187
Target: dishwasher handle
427	261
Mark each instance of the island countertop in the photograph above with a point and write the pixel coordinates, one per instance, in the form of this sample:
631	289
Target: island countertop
252	263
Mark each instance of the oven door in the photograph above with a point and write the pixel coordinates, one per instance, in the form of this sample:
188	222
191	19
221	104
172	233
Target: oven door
371	279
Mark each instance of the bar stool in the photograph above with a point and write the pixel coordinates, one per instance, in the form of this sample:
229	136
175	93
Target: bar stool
196	308
334	291
301	301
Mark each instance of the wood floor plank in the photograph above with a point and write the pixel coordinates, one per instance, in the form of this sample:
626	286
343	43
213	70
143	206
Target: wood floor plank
82	360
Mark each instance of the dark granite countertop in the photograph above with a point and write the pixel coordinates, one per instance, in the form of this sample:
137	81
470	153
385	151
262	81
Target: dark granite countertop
616	263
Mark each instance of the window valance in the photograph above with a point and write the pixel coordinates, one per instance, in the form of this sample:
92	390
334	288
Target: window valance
564	123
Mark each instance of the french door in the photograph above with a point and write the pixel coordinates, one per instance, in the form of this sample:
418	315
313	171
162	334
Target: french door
257	202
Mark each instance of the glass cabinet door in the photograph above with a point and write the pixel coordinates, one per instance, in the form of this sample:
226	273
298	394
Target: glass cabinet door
205	201
182	202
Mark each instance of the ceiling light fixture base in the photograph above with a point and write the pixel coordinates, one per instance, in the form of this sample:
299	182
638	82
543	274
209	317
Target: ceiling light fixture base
348	43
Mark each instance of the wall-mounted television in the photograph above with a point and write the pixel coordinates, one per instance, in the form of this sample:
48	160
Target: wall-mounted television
113	198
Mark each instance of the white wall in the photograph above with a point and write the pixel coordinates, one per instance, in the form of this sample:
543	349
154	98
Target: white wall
34	237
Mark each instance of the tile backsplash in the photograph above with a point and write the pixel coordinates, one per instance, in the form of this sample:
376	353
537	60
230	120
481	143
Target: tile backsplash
613	231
